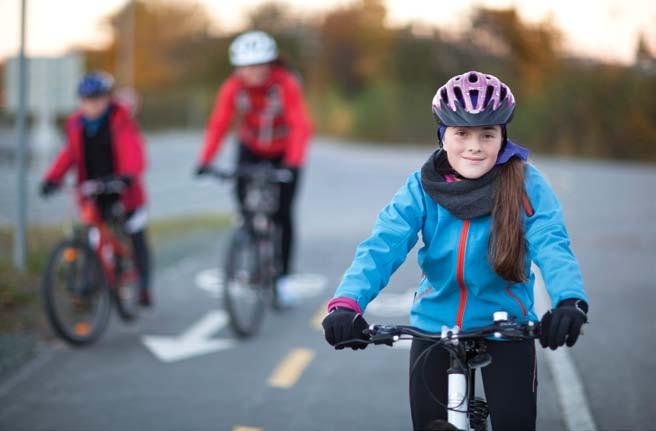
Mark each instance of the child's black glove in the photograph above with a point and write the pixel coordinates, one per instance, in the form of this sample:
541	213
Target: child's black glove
48	187
563	323
202	170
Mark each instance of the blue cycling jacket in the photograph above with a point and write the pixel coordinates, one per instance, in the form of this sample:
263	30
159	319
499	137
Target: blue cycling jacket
459	286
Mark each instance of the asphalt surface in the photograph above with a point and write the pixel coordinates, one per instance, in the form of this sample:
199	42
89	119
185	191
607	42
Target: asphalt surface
119	384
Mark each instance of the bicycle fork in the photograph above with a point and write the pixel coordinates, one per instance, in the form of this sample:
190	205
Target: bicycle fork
457	401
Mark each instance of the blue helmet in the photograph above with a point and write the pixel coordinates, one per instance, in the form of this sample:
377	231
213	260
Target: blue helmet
95	84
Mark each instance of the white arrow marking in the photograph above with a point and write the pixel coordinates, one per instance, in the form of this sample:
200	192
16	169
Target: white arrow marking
211	281
194	341
306	285
392	304
300	285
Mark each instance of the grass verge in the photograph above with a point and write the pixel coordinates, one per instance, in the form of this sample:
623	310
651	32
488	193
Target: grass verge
20	307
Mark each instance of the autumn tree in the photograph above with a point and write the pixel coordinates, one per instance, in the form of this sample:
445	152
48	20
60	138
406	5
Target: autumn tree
531	49
355	44
163	35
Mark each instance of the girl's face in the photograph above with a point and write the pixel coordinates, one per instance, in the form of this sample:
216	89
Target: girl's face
253	76
472	151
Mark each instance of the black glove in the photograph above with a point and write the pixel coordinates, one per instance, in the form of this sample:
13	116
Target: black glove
342	325
202	170
563	323
48	187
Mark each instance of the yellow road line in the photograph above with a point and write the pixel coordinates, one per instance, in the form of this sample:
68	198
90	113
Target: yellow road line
318	317
291	368
241	428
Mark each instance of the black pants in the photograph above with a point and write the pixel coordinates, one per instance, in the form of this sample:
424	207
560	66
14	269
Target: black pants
141	253
284	216
510	383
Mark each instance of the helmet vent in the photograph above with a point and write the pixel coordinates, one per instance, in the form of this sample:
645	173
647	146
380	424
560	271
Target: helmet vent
445	96
504	91
459	96
488	95
473	95
472	77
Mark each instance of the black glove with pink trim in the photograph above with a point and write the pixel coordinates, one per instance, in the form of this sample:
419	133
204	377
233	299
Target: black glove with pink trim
343	327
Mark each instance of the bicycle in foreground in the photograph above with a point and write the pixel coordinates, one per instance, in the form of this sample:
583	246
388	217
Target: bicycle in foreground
91	269
253	258
464	410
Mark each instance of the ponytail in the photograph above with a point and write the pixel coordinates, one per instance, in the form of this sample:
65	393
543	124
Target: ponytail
507	249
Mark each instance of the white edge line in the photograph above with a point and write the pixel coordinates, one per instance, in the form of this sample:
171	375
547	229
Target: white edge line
571	394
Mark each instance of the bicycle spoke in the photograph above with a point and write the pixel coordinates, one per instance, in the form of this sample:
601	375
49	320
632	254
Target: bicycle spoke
76	300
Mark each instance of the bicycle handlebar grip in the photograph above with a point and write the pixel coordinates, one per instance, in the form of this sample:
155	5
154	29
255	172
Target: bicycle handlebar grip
284	175
89	188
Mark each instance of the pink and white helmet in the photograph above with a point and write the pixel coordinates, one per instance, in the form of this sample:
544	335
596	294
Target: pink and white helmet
473	99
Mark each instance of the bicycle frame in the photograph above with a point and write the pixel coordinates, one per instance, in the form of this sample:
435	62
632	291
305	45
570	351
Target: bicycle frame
458	343
457	399
104	242
260	204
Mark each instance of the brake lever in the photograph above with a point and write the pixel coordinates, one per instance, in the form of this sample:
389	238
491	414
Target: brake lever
382	339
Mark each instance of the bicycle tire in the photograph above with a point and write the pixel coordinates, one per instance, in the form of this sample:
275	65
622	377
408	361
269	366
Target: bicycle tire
125	291
92	280
243	275
276	267
478	414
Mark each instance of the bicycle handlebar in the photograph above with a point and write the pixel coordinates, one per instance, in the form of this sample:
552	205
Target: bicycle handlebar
502	329
272	174
100	186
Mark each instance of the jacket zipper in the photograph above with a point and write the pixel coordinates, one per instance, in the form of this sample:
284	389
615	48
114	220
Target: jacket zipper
460	272
516	298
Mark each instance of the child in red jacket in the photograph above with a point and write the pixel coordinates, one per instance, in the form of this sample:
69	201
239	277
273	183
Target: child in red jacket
104	141
273	123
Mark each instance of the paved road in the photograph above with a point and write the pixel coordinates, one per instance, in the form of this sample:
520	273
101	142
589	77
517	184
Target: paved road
119	384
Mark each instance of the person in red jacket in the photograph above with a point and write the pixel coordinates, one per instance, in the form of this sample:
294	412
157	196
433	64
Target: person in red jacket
103	141
273	124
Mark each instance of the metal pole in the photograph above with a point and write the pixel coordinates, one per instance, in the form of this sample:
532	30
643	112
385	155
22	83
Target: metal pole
125	47
21	151
129	81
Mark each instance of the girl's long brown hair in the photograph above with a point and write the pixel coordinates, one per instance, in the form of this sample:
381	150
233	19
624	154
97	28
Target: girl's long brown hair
507	249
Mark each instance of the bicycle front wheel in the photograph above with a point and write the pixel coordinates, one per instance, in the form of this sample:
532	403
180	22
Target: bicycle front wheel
245	292
75	293
126	288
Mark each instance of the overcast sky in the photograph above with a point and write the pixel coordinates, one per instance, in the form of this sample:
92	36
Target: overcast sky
605	29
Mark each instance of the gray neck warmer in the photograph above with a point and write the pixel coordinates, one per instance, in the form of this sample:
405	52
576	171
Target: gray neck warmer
465	199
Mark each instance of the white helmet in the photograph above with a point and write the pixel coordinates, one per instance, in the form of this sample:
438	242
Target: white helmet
253	47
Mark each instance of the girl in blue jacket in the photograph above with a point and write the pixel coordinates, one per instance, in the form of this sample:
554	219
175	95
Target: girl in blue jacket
484	214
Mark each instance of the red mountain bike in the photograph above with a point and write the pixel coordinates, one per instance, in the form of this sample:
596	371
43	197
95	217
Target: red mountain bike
91	269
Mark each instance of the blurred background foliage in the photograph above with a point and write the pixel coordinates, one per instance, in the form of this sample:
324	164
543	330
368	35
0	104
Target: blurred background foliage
367	81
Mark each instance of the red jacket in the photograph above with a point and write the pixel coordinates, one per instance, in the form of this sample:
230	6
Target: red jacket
128	148
272	118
